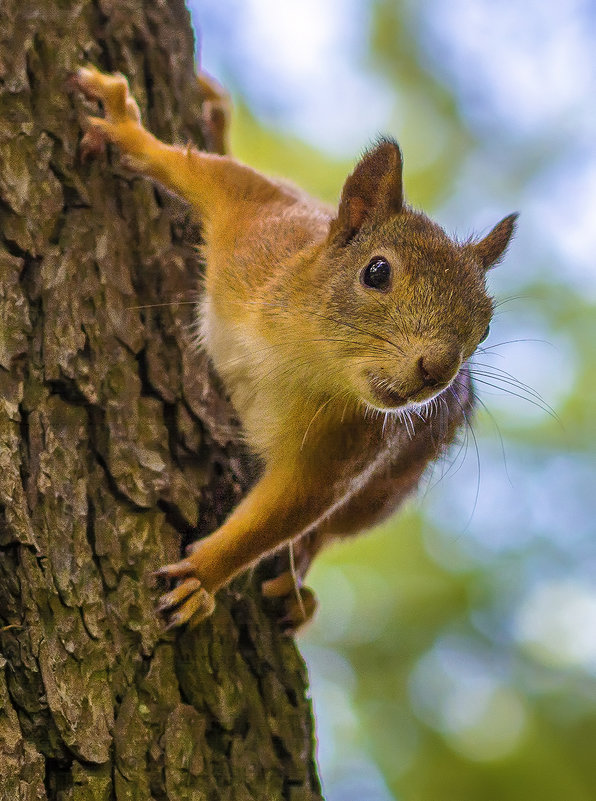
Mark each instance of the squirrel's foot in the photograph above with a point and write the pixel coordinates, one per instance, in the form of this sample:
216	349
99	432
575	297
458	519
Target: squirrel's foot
297	604
122	122
216	113
189	602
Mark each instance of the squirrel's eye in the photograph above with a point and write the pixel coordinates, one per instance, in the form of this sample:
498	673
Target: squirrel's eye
486	333
376	274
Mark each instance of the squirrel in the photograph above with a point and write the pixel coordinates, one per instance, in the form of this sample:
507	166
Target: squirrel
341	336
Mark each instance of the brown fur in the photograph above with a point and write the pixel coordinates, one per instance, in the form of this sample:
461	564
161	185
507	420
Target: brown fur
320	366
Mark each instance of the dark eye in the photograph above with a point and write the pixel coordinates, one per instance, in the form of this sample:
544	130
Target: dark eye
486	333
377	274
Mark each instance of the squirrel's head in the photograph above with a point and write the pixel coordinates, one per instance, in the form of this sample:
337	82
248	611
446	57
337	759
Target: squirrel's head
405	304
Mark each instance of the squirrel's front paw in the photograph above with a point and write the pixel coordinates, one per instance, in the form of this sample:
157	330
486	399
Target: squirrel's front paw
189	602
121	124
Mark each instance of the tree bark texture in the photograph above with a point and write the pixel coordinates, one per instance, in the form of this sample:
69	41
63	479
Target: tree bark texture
117	447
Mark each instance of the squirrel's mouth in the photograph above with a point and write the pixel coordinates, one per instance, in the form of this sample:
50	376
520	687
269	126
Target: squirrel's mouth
388	397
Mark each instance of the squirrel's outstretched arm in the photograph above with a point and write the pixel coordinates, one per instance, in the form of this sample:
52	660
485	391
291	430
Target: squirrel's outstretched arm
276	510
211	183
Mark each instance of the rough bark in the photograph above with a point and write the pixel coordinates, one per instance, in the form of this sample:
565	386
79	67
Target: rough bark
117	448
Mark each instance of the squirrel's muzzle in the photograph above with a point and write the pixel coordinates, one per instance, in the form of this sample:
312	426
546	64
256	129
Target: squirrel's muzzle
419	376
438	365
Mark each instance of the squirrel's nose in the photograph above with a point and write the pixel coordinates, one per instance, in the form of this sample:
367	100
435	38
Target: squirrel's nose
439	365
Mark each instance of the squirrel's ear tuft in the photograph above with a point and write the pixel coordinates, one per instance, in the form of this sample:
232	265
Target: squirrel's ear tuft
490	250
374	189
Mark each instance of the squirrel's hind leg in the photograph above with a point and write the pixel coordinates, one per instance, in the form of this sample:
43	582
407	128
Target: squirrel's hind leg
216	114
283	577
295	603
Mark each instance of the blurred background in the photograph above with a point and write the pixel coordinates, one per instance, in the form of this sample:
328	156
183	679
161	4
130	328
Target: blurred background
454	653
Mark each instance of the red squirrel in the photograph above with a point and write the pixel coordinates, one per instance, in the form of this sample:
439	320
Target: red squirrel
341	336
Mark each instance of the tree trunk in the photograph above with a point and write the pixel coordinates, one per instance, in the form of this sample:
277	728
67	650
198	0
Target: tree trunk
117	448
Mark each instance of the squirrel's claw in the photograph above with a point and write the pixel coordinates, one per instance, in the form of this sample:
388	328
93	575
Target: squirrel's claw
93	143
175	597
190	600
176	570
111	89
122	115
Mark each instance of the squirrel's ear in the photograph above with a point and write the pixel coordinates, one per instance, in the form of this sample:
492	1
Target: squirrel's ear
490	250
374	189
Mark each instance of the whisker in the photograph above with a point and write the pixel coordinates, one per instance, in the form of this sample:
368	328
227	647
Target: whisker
512	381
499	370
158	305
343	414
503	301
514	342
316	414
335	320
463	448
398	323
277	372
354	347
359	329
540	406
406	418
470	428
499	434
